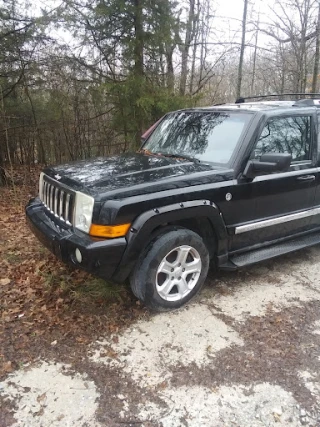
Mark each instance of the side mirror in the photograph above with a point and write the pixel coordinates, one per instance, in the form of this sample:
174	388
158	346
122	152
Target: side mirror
268	163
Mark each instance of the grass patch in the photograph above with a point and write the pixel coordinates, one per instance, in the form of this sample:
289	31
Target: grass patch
80	286
14	257
98	289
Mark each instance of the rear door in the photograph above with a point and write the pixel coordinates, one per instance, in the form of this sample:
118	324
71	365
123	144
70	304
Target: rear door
315	220
279	205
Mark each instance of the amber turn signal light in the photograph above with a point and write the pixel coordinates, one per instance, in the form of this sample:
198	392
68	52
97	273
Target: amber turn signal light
109	231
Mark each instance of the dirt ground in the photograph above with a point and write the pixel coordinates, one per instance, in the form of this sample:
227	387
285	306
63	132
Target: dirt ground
78	352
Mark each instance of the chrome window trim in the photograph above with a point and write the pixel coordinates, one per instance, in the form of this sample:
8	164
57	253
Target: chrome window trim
285	174
276	221
301	163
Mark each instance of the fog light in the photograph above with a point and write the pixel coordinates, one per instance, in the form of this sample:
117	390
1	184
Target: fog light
78	255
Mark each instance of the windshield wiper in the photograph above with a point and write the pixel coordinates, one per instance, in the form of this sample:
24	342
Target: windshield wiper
181	156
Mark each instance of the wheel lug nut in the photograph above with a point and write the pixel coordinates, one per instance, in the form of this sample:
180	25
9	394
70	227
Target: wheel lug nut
183	269
172	270
179	278
172	278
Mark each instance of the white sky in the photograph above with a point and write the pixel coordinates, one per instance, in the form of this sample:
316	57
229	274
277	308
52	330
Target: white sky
228	12
226	23
230	8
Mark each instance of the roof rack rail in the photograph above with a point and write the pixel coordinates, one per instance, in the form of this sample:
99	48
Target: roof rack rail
242	99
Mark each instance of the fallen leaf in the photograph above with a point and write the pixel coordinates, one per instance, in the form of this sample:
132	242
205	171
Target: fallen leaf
7	366
276	417
109	353
39	413
41	397
5	281
163	385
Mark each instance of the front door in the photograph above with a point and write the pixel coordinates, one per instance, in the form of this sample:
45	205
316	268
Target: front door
279	205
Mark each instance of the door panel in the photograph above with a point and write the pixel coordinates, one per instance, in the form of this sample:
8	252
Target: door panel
278	205
316	219
277	197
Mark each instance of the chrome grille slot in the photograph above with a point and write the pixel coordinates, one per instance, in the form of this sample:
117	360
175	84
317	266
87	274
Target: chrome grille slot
47	195
44	193
61	205
56	191
67	207
50	204
57	199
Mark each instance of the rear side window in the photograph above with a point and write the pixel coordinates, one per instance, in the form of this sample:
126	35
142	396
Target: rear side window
318	118
286	135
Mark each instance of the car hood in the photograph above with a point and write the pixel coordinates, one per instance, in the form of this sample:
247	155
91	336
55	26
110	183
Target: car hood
132	174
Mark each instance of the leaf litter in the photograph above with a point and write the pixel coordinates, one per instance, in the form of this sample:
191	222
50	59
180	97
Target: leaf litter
50	312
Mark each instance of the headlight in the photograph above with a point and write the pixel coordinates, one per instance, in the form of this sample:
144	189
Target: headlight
83	212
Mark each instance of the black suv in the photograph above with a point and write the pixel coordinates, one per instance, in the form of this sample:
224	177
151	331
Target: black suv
230	184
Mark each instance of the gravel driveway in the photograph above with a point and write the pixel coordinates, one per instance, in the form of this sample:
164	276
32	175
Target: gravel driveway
245	353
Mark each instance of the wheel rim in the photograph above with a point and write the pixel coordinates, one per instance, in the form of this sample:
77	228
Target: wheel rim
178	273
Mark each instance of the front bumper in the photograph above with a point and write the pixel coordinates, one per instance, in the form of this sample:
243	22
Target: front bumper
100	257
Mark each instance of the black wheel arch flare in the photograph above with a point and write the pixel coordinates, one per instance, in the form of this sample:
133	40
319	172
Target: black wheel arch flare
143	227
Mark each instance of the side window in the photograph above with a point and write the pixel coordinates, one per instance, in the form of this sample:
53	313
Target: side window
286	135
318	119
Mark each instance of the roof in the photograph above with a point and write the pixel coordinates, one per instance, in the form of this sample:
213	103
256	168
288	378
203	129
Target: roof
265	105
257	106
250	106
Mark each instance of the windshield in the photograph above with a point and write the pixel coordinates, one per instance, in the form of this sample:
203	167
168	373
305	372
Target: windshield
206	136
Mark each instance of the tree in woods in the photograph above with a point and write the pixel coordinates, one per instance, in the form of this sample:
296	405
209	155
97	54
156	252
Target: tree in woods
132	46
293	30
87	78
316	55
242	47
21	41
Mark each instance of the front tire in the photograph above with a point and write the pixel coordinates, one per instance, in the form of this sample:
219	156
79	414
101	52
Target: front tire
171	270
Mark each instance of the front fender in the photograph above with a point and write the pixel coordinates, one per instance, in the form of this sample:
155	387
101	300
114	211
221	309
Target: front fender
143	227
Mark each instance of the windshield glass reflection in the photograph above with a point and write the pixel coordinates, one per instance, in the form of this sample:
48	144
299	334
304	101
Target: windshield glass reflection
207	136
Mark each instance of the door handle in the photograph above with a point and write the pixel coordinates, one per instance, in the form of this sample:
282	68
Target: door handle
306	178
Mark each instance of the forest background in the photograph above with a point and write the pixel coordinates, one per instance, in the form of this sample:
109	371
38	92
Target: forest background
87	77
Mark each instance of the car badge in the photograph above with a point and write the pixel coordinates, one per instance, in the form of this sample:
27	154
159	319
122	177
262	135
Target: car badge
228	197
57	177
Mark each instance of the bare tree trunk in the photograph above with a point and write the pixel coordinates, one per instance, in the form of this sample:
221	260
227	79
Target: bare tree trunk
316	56
193	67
254	60
186	47
303	61
170	71
2	171
138	66
6	136
243	41
194	50
204	32
2	146
283	81
41	149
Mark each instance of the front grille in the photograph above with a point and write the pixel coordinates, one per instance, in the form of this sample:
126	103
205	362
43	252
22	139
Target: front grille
57	199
